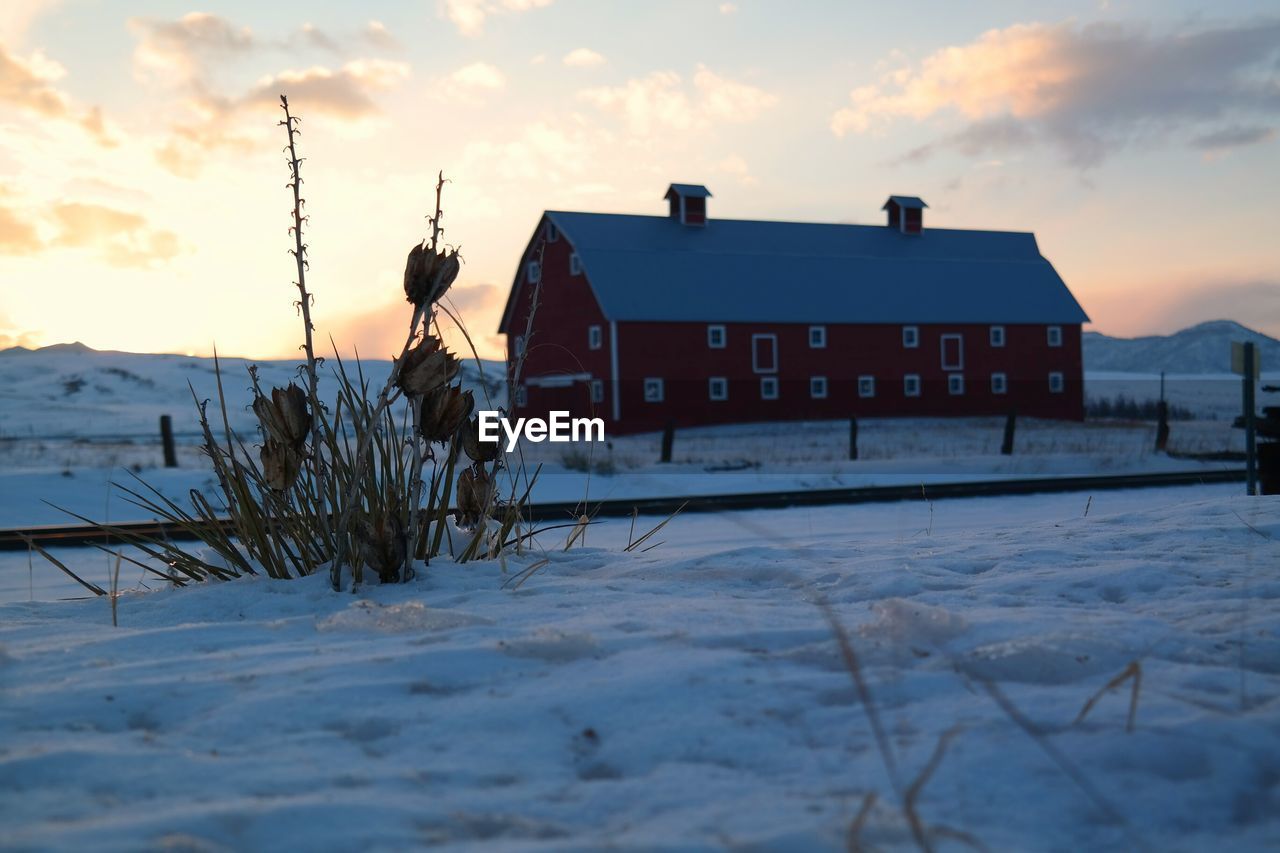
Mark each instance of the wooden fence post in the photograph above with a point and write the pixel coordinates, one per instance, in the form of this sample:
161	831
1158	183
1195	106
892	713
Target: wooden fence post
166	439
853	438
1006	447
668	438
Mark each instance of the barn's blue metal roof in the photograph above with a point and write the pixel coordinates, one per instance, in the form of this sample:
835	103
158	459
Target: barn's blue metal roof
910	202
652	268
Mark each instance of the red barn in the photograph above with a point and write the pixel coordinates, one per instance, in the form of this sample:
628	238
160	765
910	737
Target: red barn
643	320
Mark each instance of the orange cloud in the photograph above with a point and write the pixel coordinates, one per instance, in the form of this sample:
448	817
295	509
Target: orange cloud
379	332
28	84
1082	89
122	239
345	92
17	235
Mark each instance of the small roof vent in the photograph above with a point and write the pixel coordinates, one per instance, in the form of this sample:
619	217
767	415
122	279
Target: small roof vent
906	213
688	203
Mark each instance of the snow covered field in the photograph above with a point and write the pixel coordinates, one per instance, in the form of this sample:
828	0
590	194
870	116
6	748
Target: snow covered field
73	420
690	697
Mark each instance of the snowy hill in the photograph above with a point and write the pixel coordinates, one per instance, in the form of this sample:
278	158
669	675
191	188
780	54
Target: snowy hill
72	389
1205	348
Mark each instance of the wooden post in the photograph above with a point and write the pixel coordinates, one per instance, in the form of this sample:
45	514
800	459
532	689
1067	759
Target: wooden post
166	439
1006	447
668	438
853	438
1250	443
1162	426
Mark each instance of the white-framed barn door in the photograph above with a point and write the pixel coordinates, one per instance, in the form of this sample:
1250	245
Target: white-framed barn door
953	352
764	353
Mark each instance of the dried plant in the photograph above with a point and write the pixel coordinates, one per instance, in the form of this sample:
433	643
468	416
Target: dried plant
343	488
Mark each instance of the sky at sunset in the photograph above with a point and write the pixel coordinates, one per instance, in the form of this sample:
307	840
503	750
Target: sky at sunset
142	188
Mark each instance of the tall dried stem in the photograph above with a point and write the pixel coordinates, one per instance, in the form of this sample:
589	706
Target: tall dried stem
415	482
299	252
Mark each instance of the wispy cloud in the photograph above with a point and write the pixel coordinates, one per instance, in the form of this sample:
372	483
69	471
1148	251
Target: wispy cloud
345	92
1084	90
663	100
16	17
120	238
18	235
29	84
183	56
583	57
1233	137
180	51
469	15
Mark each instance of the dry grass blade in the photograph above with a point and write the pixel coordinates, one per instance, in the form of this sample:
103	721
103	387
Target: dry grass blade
1132	671
632	545
115	594
176	581
520	578
854	668
578	531
89	585
909	801
853	838
1066	765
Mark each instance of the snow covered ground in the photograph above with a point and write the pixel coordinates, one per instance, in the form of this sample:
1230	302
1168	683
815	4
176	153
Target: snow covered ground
72	419
689	697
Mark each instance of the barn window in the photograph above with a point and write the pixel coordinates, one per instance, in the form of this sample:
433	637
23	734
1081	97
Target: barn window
866	386
911	385
1056	383
768	387
715	337
534	272
818	387
952	352
575	264
999	383
522	396
997	336
653	390
817	337
910	337
764	353
553	233
718	388
1055	336
595	337
955	383
597	390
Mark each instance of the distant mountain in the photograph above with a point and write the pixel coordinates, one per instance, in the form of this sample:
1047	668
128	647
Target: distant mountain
1205	348
72	389
75	348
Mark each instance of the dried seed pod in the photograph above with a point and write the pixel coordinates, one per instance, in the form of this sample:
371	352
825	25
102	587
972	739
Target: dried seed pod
477	450
443	411
475	495
419	274
281	465
382	545
291	402
426	367
446	269
285	417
